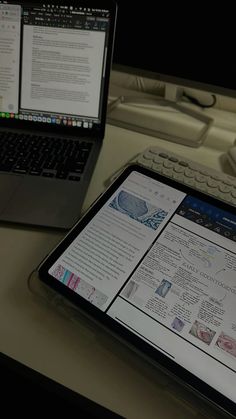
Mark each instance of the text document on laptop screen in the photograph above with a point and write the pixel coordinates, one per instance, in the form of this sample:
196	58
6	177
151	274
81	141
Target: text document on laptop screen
52	62
68	75
163	265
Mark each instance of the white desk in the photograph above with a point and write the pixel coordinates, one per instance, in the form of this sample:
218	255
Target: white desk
38	336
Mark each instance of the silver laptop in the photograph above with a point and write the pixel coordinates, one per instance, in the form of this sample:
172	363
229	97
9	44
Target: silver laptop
55	60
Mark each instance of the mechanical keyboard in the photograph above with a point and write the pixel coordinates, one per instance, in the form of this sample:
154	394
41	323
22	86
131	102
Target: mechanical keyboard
188	172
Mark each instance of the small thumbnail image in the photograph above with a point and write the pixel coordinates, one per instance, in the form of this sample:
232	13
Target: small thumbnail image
130	289
202	332
226	343
163	288
177	324
138	209
58	272
66	277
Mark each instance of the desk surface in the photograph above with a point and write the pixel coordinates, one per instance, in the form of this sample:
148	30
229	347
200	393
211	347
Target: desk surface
71	353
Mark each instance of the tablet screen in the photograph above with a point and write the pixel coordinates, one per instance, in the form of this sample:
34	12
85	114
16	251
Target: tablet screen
160	262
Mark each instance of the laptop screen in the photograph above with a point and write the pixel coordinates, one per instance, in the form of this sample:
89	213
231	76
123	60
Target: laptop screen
54	62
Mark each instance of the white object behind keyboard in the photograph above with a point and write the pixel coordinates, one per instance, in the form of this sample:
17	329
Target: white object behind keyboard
188	172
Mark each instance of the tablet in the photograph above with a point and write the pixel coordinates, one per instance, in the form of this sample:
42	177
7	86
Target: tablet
155	263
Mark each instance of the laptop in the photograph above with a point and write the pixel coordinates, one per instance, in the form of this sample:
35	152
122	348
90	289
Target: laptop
55	61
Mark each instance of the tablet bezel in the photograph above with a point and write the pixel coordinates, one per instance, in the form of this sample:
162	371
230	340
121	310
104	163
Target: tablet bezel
158	358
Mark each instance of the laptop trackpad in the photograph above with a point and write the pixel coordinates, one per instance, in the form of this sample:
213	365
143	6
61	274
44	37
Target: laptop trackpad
8	186
41	201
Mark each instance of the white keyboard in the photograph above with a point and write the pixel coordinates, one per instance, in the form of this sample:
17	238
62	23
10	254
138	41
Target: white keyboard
188	172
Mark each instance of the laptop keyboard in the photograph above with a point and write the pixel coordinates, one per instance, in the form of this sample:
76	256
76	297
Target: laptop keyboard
43	156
